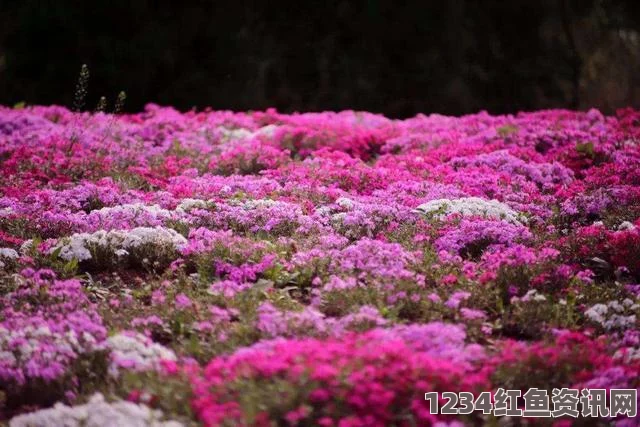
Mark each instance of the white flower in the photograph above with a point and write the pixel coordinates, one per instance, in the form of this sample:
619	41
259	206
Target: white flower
8	253
26	246
613	315
597	312
133	209
533	295
137	352
626	225
116	241
187	204
231	134
617	321
5	211
615	305
96	413
259	203
539	297
345	203
268	131
121	252
323	210
241	133
471	206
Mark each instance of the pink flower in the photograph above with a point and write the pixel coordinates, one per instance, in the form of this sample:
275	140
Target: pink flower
433	297
297	415
169	366
449	279
157	297
471	314
182	301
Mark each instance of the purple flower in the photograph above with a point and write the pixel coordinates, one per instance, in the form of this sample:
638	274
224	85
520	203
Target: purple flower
182	302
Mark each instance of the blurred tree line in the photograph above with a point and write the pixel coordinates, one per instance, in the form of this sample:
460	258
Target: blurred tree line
394	57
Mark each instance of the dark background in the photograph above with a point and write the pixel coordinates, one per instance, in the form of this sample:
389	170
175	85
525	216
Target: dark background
394	57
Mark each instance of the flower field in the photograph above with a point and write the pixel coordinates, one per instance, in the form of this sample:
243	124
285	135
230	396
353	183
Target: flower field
320	269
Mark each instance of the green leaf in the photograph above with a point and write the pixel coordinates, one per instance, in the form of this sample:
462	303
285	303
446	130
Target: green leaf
71	267
586	149
193	345
56	252
19	105
506	130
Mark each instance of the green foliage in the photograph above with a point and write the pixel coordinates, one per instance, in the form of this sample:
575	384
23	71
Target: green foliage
171	394
507	130
81	89
102	105
586	149
120	100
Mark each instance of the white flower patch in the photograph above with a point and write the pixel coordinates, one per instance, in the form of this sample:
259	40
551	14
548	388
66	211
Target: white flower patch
116	241
345	203
8	253
626	225
533	295
233	134
5	211
151	211
26	246
257	203
268	130
136	351
97	412
188	204
242	133
613	315
75	246
324	211
471	206
132	209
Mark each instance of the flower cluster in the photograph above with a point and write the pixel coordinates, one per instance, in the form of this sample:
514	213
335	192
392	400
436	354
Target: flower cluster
7	255
356	380
119	243
46	325
470	206
614	314
135	351
323	269
97	411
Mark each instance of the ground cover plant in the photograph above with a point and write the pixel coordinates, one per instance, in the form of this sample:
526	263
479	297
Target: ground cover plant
218	268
